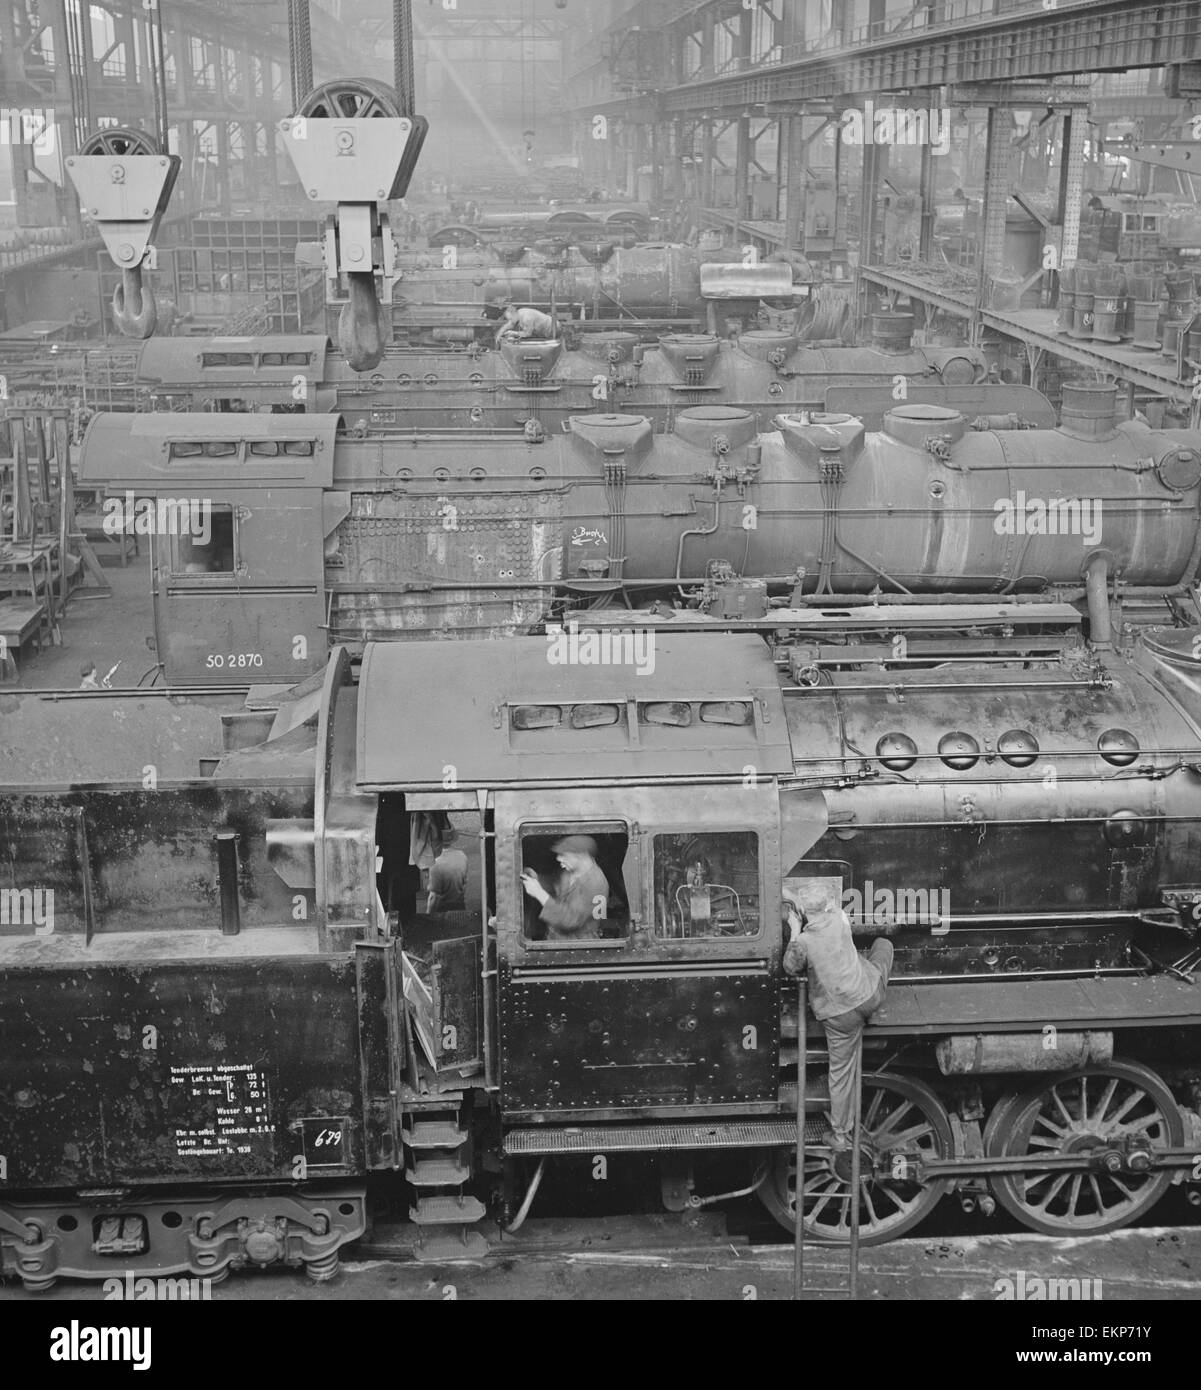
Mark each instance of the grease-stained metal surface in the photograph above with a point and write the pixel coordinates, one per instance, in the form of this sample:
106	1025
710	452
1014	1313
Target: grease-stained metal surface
148	859
164	1072
628	1040
108	738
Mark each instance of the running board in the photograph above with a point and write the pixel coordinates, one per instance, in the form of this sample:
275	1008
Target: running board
608	1139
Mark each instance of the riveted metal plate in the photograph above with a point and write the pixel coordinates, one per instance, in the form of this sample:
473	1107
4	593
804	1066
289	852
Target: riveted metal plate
618	1039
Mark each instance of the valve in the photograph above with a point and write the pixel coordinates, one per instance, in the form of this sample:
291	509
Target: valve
124	180
352	146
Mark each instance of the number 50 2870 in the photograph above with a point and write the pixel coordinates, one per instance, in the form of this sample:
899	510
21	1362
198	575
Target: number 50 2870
235	661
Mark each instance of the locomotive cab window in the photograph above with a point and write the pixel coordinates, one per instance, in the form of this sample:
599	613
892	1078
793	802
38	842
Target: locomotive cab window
707	884
211	553
572	883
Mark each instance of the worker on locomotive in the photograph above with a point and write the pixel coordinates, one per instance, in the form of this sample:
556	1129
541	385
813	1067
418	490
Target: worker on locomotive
846	991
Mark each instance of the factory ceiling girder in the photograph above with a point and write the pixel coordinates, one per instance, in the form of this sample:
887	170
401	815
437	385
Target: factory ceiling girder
1096	37
212	38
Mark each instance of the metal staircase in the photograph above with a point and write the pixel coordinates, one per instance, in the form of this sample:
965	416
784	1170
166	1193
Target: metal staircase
437	1152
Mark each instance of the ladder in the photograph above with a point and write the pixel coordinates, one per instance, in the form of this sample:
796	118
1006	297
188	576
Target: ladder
798	1269
436	1139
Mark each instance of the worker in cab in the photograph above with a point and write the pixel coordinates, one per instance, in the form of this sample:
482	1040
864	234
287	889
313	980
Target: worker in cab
448	877
578	902
845	991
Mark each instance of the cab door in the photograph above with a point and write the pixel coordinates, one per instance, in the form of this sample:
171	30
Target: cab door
666	1003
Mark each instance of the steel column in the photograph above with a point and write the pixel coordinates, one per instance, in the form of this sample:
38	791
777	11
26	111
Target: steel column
742	171
1071	184
997	160
925	245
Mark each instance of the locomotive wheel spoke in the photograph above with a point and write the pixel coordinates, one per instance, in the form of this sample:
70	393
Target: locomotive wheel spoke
1063	1110
1127	1098
1110	1092
1119	1115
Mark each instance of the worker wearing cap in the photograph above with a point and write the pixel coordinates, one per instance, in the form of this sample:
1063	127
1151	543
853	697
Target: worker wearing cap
845	991
579	902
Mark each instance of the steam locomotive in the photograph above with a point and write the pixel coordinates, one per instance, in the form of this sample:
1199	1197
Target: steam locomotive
547	382
312	537
473	387
234	1020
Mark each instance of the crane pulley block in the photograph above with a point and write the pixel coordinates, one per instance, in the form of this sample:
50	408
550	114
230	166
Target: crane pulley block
124	184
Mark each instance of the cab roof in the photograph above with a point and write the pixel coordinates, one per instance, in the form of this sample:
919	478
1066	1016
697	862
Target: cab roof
436	715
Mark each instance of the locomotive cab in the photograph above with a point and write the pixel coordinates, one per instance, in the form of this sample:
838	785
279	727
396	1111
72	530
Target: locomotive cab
658	994
667	998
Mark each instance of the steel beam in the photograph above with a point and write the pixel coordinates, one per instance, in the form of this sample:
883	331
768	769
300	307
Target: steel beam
1096	36
1183	156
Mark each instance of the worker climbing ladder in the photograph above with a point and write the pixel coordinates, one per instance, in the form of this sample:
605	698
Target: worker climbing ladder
854	1195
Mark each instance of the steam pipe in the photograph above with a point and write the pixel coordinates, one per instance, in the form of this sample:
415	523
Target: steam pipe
1097	586
700	530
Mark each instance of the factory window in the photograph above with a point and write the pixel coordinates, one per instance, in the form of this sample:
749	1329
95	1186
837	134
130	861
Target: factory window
209	549
578	870
707	884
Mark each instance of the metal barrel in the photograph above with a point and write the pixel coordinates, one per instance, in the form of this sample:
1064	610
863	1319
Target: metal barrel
1082	315
1088	408
1145	327
1108	311
1172	330
892	332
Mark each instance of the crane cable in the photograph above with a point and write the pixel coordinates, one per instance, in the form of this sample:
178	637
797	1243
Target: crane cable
402	55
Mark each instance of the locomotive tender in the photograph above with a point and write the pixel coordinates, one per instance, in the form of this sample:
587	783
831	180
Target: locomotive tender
225	1041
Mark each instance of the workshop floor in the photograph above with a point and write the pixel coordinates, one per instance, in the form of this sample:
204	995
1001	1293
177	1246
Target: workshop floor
104	628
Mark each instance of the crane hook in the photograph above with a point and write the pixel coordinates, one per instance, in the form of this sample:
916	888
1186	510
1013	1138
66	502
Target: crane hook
360	333
134	309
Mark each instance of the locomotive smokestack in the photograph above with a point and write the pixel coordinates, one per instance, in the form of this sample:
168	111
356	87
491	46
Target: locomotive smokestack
1088	409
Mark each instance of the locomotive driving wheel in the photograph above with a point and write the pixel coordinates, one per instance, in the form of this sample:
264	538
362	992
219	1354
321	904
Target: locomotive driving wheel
1119	1107
902	1119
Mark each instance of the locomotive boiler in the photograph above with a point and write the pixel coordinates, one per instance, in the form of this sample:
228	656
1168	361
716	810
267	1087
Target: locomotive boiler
317	537
549	381
202	1066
